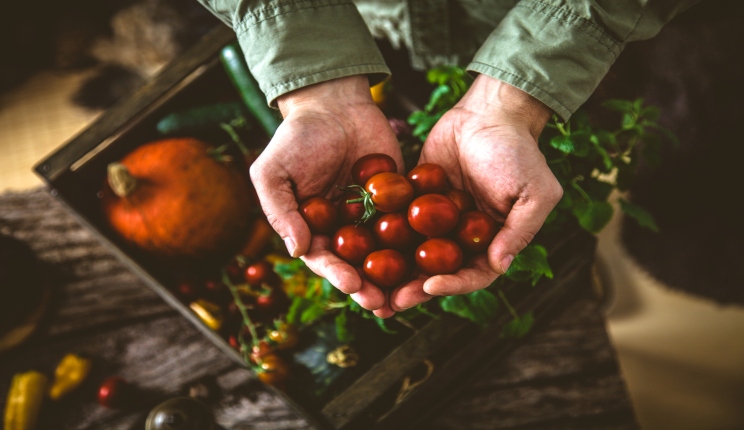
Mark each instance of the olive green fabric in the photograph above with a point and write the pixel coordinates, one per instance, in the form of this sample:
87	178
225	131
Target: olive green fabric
555	50
290	44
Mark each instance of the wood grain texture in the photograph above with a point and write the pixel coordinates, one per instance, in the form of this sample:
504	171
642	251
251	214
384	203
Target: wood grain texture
563	376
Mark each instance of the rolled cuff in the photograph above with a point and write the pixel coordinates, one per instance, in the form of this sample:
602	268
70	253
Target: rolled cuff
295	44
549	52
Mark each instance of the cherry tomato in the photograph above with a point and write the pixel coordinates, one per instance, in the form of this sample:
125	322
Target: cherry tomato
353	243
187	290
386	268
475	231
274	371
462	200
259	351
319	214
390	191
393	231
285	336
438	256
428	178
350	213
114	393
233	341
433	215
370	165
272	304
260	273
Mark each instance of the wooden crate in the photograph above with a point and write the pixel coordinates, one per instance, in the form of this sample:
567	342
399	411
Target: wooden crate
370	396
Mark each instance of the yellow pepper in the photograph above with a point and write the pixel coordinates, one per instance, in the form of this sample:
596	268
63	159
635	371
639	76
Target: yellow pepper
378	93
70	373
26	393
209	313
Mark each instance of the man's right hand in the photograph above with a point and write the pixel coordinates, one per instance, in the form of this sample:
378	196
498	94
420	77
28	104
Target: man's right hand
326	128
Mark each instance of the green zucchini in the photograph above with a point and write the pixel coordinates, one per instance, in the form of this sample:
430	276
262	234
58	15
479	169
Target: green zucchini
201	117
255	100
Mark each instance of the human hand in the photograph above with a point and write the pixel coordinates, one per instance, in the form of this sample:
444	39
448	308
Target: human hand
487	144
326	128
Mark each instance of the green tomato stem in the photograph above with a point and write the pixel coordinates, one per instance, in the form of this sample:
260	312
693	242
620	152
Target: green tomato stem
241	307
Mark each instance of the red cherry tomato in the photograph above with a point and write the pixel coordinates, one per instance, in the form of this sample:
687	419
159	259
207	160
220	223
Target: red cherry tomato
428	178
114	393
260	273
259	351
370	165
386	268
475	231
390	191
353	243
438	256
273	370
188	290
233	341
270	305
393	231
319	214
433	215
462	200
350	213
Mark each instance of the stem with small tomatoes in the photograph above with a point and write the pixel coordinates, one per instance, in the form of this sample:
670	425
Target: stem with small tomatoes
241	307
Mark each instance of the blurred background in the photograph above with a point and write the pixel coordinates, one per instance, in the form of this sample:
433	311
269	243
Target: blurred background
672	301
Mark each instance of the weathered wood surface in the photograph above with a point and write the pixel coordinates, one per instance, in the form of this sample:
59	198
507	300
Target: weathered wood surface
564	375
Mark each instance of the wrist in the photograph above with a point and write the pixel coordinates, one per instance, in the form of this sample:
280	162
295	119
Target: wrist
341	91
491	96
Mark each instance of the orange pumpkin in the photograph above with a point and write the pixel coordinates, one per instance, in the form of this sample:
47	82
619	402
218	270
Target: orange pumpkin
172	199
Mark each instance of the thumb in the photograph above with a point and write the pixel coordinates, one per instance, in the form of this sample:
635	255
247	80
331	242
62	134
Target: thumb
274	189
524	221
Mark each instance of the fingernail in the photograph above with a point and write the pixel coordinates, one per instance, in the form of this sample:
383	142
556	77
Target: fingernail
506	262
289	243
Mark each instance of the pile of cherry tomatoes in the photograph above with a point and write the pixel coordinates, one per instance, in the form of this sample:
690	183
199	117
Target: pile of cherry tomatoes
396	226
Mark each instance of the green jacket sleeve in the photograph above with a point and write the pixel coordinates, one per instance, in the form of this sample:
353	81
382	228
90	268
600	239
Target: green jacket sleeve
290	44
559	50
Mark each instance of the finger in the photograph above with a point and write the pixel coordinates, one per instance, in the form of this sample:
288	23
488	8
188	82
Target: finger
409	295
369	296
524	220
274	190
476	276
324	263
384	312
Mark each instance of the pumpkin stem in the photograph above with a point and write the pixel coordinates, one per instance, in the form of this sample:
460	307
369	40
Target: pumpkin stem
121	181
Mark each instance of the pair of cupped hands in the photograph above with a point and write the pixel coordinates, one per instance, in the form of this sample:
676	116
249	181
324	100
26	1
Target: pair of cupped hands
487	145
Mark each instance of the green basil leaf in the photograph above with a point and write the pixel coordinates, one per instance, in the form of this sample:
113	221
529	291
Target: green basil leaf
287	270
298	306
639	214
593	216
519	327
312	313
530	265
479	306
576	144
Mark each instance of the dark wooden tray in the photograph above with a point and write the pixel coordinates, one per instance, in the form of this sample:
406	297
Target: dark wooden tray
456	348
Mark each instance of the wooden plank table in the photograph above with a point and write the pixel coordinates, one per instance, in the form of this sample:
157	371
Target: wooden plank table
564	375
